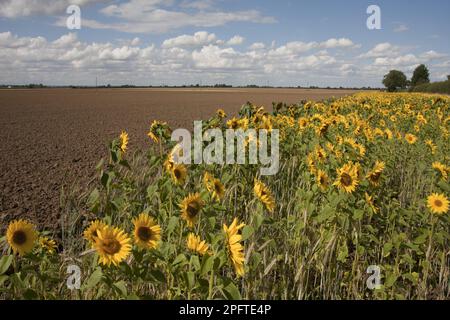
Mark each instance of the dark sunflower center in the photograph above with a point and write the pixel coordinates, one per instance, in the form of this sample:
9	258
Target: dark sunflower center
346	180
376	176
19	237
438	203
177	173
144	233
322	180
111	246
217	188
192	209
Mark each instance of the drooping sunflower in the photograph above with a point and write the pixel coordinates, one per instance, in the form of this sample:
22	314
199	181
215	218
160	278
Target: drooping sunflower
347	178
374	175
190	208
91	232
147	233
437	203
113	245
322	179
442	168
178	173
235	248
195	244
159	130
264	194
21	236
47	244
218	190
431	145
410	138
123	141
370	202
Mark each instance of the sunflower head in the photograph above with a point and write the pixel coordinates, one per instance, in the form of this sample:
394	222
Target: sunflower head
221	113
438	203
178	173
322	179
347	178
195	244
234	246
123	141
264	195
113	245
91	232
374	175
47	244
370	203
191	207
410	138
147	233
21	236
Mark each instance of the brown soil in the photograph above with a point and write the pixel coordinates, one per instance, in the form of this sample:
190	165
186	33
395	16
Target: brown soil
51	138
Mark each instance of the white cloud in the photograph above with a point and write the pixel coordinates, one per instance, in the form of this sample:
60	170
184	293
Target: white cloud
199	39
381	50
432	55
236	40
257	46
400	27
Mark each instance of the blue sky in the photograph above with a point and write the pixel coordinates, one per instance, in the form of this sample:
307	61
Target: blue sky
290	43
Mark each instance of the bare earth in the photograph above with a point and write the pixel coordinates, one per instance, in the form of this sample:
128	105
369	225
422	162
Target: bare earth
51	138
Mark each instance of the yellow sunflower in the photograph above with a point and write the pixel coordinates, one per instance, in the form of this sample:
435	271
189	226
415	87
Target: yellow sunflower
235	248
221	113
147	233
431	145
374	175
233	123
91	232
195	244
190	208
369	201
442	168
322	179
437	203
410	138
347	179
178	173
21	236
47	244
113	245
123	141
264	194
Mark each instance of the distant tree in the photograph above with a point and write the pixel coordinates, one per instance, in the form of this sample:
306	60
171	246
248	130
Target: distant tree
394	79
420	76
448	77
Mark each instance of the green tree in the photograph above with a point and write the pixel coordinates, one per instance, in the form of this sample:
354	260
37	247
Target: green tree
394	79
420	76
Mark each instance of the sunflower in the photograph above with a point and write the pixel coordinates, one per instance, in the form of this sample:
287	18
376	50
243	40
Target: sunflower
369	201
147	232
195	244
266	124
374	175
320	154
221	113
113	245
264	194
235	248
190	208
322	179
431	145
178	173
233	123
347	179
123	141
21	236
438	203
442	168
158	130
410	138
47	244
91	232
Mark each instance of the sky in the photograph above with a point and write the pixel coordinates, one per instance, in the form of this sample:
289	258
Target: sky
262	42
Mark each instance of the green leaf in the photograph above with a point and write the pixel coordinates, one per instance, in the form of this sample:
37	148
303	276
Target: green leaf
173	223
180	260
207	264
358	214
232	292
195	262
94	279
189	277
5	262
325	214
247	231
30	294
121	287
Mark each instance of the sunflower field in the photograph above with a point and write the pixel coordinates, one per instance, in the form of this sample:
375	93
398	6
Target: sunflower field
363	181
